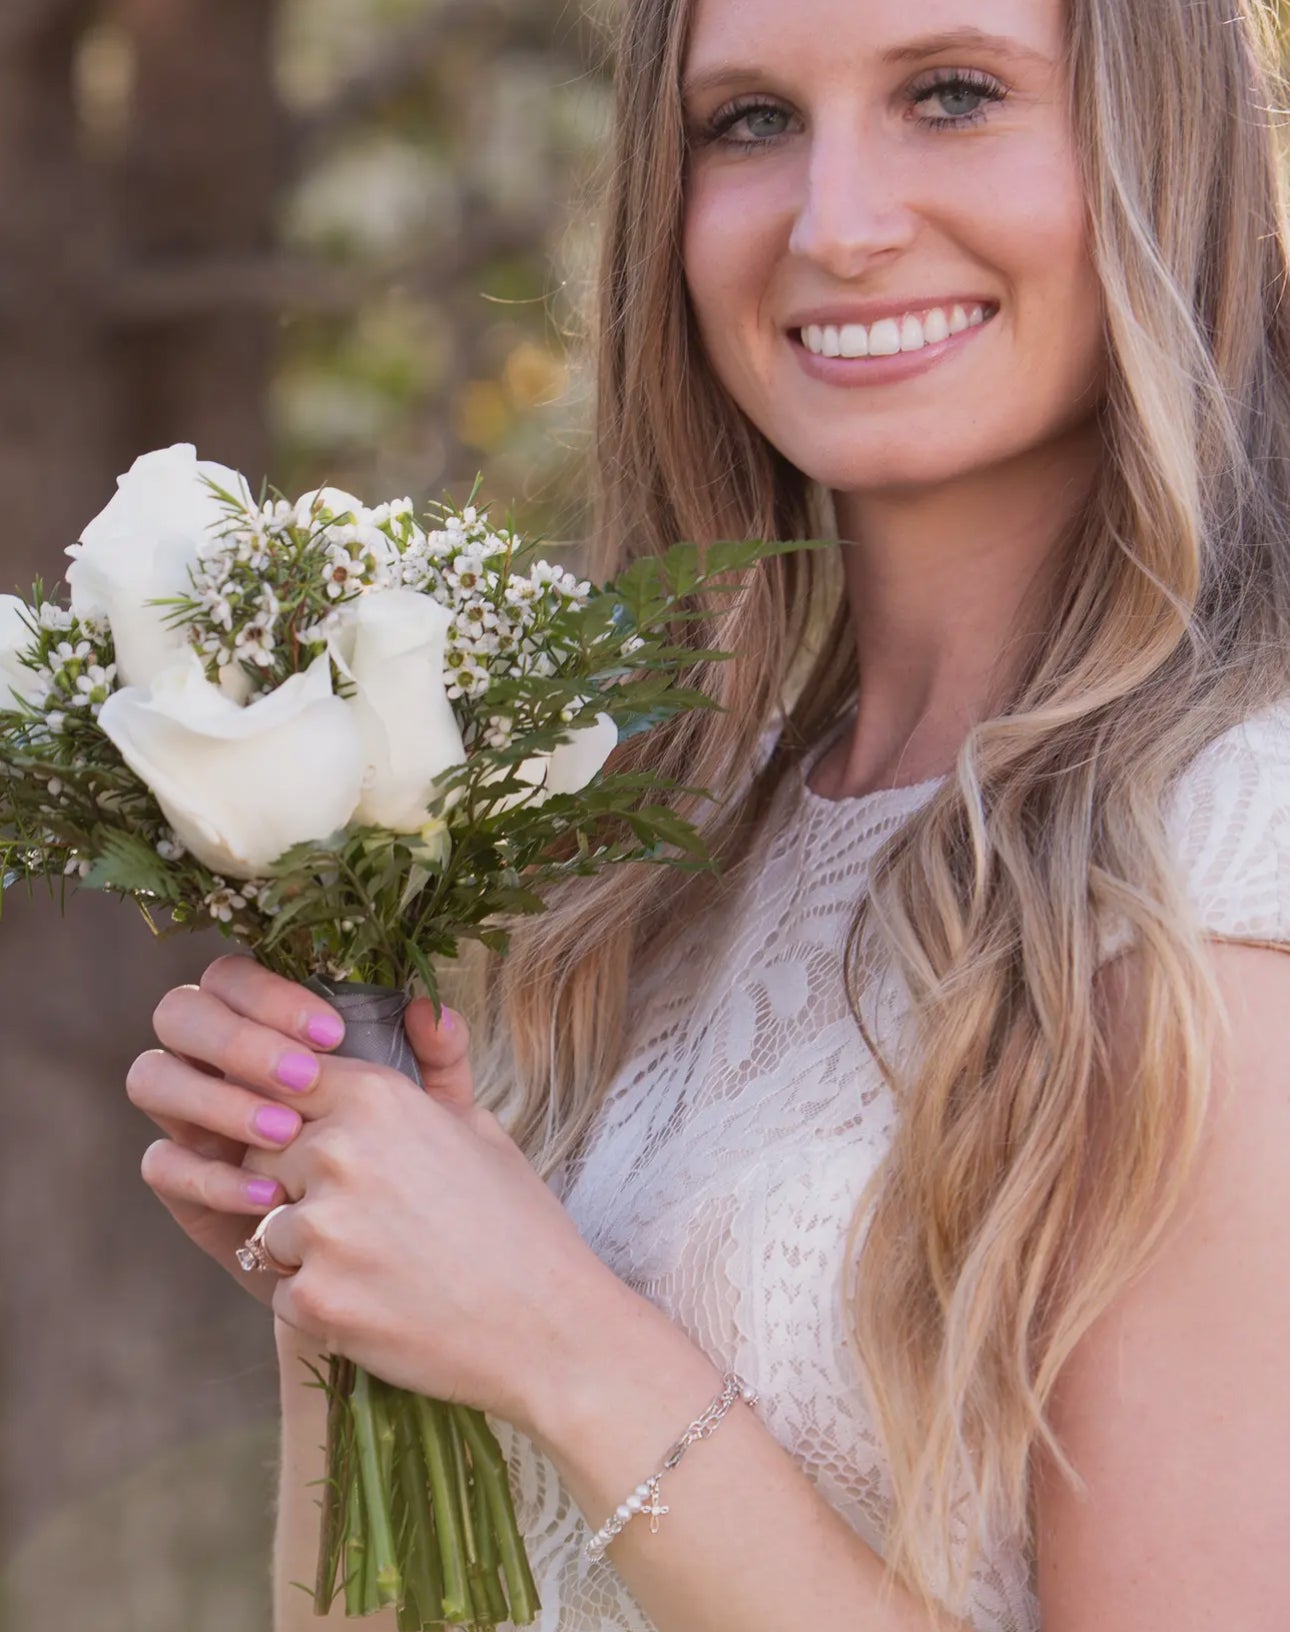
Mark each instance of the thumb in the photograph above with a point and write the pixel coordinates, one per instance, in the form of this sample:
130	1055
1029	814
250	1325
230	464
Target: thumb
442	1051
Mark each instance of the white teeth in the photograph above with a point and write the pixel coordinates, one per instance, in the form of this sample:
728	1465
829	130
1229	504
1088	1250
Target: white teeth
855	340
884	338
890	335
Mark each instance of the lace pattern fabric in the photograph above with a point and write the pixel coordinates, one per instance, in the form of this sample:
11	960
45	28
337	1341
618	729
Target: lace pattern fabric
724	1170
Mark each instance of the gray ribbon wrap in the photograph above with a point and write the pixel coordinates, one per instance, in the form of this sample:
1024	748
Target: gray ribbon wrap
373	1017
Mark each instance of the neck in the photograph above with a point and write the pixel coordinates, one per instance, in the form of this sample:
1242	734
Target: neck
948	590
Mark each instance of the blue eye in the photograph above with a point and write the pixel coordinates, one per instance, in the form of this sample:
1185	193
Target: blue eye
957	86
735	113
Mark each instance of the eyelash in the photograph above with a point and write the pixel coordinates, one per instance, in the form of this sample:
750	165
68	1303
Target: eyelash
977	84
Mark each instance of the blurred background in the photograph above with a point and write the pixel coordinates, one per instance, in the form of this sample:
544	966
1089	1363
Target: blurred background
339	241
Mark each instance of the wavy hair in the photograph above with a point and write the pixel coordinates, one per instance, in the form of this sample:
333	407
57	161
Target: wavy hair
1031	1174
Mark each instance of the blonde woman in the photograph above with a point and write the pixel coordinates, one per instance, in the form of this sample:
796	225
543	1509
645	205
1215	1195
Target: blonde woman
955	1120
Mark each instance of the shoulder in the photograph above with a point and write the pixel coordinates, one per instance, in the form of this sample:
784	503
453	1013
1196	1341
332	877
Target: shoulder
1229	820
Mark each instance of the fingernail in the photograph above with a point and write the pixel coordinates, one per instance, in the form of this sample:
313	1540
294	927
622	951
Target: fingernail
325	1029
297	1071
261	1191
277	1122
447	1022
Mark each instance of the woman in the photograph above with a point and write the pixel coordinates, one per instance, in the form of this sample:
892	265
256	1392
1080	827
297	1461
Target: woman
954	1119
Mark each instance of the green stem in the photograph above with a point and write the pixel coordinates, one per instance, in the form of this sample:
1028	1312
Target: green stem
372	1429
486	1457
485	1534
479	1598
335	1486
438	1455
355	1548
488	1564
423	1576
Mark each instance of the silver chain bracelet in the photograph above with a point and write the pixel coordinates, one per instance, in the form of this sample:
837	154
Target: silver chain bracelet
645	1498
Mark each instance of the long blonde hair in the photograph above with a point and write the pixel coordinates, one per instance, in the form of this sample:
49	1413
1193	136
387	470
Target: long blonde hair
1023	1187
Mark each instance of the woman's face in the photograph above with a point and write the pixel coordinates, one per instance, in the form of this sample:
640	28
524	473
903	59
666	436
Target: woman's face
852	180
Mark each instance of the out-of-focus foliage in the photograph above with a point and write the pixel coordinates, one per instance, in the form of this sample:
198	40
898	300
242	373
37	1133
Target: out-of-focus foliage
479	161
436	184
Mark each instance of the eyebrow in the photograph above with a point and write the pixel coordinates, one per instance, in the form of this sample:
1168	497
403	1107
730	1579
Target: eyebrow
926	45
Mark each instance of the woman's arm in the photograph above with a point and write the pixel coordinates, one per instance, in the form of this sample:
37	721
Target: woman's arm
295	1537
1176	1408
747	1544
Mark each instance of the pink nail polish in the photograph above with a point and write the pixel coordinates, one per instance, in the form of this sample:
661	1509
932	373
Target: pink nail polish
261	1191
325	1029
277	1122
297	1071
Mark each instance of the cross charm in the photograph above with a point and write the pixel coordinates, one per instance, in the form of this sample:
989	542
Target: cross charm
654	1507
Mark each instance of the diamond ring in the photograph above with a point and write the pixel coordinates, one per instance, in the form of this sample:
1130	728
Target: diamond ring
254	1252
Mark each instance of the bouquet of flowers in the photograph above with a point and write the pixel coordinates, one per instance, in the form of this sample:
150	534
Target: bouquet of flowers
350	741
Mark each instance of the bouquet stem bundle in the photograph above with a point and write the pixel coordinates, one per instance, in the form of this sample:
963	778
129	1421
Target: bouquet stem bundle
417	1510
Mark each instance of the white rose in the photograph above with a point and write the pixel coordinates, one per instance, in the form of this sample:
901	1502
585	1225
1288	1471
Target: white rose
241	785
566	769
390	643
141	547
16	637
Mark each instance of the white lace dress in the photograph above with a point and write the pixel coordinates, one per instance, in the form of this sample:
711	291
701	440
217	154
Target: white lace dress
725	1167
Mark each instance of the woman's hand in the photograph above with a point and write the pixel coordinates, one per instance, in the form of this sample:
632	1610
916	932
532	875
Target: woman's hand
204	1172
431	1252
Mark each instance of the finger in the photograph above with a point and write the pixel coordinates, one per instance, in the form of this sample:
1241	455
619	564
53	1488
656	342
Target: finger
284	1238
198	1025
190	1185
169	1089
442	1051
283	1005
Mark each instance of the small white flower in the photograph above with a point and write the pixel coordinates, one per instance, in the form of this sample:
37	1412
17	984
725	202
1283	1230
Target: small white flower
55	719
342	574
170	849
223	902
54	617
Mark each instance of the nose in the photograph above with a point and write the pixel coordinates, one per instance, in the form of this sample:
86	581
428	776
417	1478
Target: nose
855	207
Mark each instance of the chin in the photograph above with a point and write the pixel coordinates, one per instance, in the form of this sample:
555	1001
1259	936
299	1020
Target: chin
894	469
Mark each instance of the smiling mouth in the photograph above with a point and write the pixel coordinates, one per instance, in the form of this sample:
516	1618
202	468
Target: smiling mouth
892	336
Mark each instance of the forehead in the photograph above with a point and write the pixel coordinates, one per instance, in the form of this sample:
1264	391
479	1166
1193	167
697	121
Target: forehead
841	37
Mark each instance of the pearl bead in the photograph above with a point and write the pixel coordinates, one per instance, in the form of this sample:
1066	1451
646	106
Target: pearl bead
634	1502
643	1490
623	1512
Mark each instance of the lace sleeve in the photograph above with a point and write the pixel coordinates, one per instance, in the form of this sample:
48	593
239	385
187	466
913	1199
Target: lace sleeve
1229	819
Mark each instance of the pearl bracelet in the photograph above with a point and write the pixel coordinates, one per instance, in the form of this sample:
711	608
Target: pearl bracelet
645	1498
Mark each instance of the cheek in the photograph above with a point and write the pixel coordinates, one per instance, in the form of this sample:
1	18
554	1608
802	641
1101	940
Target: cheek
729	243
1040	240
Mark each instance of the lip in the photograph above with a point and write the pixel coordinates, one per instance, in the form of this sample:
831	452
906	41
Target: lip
871	311
902	365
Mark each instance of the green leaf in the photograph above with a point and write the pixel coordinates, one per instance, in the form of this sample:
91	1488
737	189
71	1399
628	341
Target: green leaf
418	878
126	862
